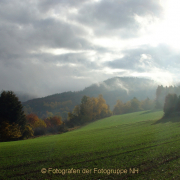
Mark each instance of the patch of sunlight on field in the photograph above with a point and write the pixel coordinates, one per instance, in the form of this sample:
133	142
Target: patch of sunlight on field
124	119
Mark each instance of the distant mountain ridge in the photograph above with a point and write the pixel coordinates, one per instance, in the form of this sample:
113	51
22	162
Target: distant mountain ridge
123	88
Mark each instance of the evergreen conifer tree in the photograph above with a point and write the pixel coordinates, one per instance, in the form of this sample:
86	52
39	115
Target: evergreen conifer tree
11	109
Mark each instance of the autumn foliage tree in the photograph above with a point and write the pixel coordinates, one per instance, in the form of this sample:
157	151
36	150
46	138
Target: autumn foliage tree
47	125
135	105
147	104
34	121
132	106
118	108
54	124
28	132
90	109
34	126
53	121
9	131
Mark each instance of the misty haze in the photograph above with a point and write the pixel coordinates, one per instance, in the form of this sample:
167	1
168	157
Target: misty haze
89	89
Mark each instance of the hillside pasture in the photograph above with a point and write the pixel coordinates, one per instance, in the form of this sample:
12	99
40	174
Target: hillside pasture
132	144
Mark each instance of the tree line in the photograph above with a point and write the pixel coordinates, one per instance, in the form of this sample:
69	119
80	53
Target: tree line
133	106
88	110
171	105
168	99
124	87
162	92
57	103
15	124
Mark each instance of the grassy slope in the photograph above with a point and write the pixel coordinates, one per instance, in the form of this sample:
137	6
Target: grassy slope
121	142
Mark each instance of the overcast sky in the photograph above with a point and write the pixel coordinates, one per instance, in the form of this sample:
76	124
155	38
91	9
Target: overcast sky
52	46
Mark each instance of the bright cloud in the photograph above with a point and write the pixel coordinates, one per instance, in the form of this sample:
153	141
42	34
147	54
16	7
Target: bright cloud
54	46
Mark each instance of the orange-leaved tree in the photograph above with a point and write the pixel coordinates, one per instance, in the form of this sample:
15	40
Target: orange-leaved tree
9	131
53	121
34	121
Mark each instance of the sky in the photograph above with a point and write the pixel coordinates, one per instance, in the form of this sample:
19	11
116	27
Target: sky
53	46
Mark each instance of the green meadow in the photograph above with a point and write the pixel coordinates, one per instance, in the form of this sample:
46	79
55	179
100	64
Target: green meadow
130	146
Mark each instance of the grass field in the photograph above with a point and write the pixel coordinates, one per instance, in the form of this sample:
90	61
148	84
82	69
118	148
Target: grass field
135	141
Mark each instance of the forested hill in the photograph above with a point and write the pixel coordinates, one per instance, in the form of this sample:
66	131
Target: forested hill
123	88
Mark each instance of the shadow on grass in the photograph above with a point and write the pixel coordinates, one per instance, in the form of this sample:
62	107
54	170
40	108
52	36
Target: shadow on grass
151	111
174	118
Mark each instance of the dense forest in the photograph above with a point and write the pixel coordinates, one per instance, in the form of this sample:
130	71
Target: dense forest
171	105
15	125
162	92
123	88
132	106
52	115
